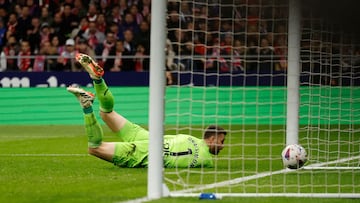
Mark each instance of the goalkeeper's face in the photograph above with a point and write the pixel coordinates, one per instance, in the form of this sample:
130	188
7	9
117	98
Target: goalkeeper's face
216	143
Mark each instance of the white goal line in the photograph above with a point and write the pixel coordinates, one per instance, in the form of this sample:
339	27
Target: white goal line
325	164
261	175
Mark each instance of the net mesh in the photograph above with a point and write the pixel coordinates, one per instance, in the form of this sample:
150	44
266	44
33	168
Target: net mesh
330	94
228	61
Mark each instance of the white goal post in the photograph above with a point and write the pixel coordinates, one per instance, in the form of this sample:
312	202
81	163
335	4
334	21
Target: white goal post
310	95
156	99
293	73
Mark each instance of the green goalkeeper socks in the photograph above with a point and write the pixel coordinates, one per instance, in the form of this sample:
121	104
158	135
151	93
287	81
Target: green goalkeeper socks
93	129
104	96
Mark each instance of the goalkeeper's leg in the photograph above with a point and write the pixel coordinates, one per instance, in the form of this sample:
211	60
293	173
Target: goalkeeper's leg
124	154
93	129
112	119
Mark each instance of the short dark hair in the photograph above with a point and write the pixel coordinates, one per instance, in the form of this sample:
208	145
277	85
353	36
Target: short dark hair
212	130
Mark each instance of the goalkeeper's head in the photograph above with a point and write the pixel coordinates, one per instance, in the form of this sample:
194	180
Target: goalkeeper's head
214	137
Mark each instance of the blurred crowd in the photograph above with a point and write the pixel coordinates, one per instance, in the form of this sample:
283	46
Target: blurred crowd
44	35
236	36
203	35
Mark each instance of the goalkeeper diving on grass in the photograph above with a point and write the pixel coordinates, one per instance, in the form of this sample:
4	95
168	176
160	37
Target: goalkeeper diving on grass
132	151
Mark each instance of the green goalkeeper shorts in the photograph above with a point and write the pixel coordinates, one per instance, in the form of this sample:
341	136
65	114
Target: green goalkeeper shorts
132	132
133	152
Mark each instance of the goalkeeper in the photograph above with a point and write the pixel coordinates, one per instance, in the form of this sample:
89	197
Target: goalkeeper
179	150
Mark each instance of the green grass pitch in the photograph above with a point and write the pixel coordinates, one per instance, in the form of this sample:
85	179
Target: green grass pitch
50	164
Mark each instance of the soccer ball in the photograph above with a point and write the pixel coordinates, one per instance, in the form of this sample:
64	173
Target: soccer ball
294	156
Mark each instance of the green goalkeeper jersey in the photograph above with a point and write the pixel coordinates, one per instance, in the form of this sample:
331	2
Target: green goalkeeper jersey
186	151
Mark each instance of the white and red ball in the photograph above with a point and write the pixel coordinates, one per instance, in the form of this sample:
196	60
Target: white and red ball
294	156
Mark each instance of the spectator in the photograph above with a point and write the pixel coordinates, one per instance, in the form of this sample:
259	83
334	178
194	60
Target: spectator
114	28
129	43
185	12
129	50
173	5
199	37
178	41
134	11
270	37
266	53
187	52
3	63
2	33
80	30
115	16
17	9
57	27
12	27
264	27
46	58
252	55
92	13
39	63
79	9
55	42
45	16
281	54
34	9
173	20
64	2
239	51
115	62
143	36
33	35
253	16
128	24
4	15
104	7
44	34
24	22
101	23
227	43
94	36
24	60
170	55
133	2
123	6
107	45
190	31
4	4
69	20
11	51
141	62
66	61
145	8
217	62
169	78
53	6
182	50
213	25
226	26
226	50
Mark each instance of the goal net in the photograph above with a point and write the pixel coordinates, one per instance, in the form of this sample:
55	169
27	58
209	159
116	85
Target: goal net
330	102
229	60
